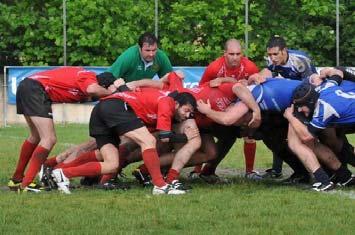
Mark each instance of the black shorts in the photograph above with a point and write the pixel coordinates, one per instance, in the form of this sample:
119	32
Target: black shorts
32	100
111	119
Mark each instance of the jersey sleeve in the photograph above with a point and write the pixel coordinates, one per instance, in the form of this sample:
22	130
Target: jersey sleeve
175	83
166	108
227	89
250	67
121	65
165	64
306	69
85	79
209	74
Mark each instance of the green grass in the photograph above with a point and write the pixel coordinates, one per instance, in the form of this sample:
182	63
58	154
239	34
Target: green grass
243	207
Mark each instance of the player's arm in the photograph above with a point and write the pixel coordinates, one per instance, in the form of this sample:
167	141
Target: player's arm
245	95
233	115
301	129
258	78
218	81
348	73
95	90
145	83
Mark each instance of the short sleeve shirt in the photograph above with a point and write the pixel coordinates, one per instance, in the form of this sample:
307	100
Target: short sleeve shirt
66	84
218	68
154	107
130	67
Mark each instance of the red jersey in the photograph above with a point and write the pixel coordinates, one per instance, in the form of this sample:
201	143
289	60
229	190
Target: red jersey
154	107
218	68
66	84
220	98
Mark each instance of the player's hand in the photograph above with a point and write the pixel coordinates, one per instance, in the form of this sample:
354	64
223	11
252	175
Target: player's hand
132	85
191	132
255	120
112	88
256	78
289	112
215	82
243	82
203	107
328	72
118	82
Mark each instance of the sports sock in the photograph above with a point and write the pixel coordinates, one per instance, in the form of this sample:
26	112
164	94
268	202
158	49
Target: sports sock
198	168
87	169
342	174
25	155
321	176
249	155
81	159
151	161
208	169
38	157
107	177
143	169
51	161
122	153
172	175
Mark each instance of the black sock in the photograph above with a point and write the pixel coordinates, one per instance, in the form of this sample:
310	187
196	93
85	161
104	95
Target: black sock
342	174
321	176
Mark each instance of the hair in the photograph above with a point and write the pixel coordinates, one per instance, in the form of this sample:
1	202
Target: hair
276	41
105	79
147	38
184	98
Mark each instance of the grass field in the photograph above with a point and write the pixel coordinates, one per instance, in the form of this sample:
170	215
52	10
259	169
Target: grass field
244	207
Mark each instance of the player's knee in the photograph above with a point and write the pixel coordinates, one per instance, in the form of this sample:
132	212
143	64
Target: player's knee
33	139
149	141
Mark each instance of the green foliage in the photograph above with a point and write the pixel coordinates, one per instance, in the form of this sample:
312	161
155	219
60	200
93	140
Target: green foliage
192	32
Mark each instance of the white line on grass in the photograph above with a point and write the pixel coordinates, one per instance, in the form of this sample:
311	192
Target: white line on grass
348	194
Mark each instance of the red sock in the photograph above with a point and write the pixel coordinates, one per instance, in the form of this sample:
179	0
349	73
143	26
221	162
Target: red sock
249	155
198	168
38	157
51	161
208	169
87	169
172	175
143	169
107	177
81	159
25	155
151	161
122	153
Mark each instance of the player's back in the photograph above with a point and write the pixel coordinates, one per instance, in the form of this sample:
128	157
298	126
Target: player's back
274	95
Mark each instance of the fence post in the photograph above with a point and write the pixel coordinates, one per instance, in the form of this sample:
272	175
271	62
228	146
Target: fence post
64	33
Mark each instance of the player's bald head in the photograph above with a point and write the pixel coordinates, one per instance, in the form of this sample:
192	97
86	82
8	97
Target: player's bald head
232	43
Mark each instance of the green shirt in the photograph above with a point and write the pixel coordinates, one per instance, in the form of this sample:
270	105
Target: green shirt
130	67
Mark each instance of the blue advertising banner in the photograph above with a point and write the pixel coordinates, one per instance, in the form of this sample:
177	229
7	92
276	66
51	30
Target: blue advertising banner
15	74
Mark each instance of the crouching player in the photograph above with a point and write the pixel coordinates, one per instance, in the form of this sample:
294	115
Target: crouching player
34	97
130	114
310	115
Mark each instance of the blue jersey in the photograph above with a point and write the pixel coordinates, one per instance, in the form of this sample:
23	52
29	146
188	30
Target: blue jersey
297	67
335	106
274	95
